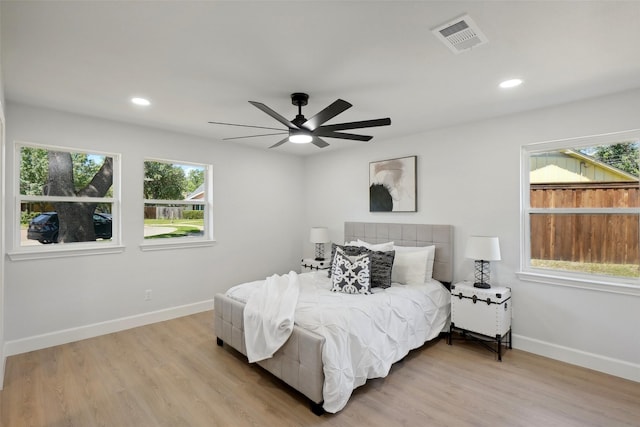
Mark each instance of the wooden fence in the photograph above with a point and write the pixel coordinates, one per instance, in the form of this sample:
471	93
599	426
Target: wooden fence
163	212
597	238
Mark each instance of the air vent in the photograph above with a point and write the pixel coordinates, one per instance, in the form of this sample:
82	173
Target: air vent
460	35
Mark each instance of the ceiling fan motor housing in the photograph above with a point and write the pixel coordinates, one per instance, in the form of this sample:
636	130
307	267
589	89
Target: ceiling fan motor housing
300	99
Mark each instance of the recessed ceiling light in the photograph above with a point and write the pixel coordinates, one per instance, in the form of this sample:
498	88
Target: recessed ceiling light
510	83
141	101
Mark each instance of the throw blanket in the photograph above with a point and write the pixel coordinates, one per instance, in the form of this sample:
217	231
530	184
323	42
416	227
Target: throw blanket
269	314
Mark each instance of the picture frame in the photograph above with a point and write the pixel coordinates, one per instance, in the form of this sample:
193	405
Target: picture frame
393	185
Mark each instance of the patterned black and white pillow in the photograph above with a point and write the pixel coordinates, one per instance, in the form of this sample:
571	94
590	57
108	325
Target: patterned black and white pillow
381	263
347	250
351	275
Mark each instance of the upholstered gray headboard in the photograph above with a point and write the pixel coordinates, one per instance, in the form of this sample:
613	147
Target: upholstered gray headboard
410	235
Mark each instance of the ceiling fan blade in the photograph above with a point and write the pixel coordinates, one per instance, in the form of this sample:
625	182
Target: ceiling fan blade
253	136
327	114
341	135
319	142
277	144
358	125
273	114
244	126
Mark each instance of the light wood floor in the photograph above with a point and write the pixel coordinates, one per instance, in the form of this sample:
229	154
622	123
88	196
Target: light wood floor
173	374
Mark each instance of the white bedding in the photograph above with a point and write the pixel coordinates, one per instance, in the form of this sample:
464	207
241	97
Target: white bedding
364	334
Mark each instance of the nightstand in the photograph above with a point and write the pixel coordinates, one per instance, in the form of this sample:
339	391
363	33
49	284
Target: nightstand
310	264
483	315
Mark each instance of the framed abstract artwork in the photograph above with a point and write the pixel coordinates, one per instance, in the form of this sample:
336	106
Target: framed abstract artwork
393	185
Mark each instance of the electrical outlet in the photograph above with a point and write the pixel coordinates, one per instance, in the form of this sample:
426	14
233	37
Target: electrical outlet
147	295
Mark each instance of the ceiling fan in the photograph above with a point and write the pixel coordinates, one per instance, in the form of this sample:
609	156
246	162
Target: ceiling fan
301	130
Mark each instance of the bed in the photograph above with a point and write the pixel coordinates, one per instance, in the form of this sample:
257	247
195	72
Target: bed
306	360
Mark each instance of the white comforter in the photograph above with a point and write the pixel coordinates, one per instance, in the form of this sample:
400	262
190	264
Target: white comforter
365	334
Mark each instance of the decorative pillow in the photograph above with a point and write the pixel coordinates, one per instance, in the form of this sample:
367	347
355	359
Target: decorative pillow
381	263
430	253
381	268
351	275
348	250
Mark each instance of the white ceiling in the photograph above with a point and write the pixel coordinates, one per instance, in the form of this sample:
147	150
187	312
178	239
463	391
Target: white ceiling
202	61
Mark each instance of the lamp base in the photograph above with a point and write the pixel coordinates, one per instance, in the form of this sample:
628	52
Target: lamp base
481	285
482	274
319	251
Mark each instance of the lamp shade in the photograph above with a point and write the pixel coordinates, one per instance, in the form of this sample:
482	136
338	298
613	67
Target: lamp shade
319	235
484	248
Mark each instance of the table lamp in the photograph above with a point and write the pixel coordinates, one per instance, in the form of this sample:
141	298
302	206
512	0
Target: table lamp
482	249
319	236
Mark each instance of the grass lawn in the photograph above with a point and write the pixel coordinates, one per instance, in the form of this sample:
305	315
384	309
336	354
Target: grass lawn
175	228
173	222
623	270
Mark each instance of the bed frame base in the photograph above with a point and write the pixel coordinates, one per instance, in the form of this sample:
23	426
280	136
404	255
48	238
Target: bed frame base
298	362
316	408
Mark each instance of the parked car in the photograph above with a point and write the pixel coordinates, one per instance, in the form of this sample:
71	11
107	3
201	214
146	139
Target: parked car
44	228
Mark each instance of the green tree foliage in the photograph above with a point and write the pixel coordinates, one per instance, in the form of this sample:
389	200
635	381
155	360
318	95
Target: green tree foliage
164	181
85	168
195	178
34	171
623	156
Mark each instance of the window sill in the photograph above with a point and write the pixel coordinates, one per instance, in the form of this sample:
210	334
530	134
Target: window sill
181	244
27	255
594	284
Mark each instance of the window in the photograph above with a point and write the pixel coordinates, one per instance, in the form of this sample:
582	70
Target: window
581	208
177	203
65	198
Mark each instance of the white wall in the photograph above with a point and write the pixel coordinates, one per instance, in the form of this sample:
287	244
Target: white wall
469	176
257	223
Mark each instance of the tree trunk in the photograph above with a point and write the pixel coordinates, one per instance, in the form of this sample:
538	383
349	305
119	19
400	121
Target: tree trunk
76	222
76	219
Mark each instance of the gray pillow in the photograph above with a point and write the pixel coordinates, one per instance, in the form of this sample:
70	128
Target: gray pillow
381	265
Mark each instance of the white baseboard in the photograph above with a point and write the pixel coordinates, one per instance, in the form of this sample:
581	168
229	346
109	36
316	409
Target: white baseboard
617	367
51	339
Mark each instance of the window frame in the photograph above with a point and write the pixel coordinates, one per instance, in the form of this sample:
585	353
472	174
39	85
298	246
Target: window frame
20	252
208	238
611	284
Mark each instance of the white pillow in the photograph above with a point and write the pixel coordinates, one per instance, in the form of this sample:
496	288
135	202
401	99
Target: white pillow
423	261
409	267
382	247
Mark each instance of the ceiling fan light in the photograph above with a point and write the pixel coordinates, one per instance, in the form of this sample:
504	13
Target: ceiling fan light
299	137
